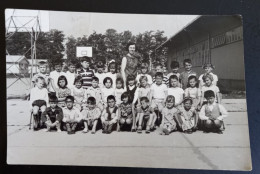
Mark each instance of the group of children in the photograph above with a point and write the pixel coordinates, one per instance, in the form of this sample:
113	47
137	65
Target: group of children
89	100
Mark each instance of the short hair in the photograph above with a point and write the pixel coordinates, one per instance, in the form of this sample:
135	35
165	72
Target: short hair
143	78
53	98
129	78
62	77
170	98
95	79
39	78
158	64
144	64
70	63
91	100
85	58
209	93
175	64
42	63
55	63
186	99
186	61
207	75
144	99
171	78
130	43
192	77
112	64
111	97
119	79
100	64
78	79
106	79
69	97
208	65
158	74
124	95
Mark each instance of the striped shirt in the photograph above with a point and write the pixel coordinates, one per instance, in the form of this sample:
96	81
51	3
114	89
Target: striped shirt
86	75
165	80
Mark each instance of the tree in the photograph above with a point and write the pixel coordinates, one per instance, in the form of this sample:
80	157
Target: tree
71	49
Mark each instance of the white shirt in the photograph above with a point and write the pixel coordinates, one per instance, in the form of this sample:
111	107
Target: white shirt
55	75
177	93
149	78
222	110
73	114
70	78
118	93
113	77
39	94
100	77
159	91
214	82
107	92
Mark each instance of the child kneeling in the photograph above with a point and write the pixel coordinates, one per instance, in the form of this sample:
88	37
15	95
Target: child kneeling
212	114
110	115
53	115
91	114
72	115
146	115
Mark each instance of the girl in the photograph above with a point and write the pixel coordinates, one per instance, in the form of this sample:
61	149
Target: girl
193	91
112	72
144	72
131	86
208	67
208	79
78	92
187	117
169	124
126	113
119	90
63	91
107	90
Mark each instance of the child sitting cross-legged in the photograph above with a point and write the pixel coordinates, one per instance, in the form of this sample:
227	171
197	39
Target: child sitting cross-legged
169	124
212	114
187	117
71	115
53	115
109	116
90	115
145	114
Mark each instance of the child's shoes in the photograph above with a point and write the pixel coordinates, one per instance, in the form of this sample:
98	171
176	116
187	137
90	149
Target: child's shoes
85	130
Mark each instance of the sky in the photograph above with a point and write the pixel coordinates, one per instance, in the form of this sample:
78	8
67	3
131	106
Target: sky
78	24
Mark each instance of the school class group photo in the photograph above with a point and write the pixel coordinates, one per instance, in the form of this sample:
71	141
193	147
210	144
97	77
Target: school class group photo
129	98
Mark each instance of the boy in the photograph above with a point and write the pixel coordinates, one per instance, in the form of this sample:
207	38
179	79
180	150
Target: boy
53	115
175	68
71	115
159	68
158	93
54	75
39	100
146	115
70	75
175	91
144	72
100	73
42	66
91	115
86	73
110	115
187	73
213	114
95	91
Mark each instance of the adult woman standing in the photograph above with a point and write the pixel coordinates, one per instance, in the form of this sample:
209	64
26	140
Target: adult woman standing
130	62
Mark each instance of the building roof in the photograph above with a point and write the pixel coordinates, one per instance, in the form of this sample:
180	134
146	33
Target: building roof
202	24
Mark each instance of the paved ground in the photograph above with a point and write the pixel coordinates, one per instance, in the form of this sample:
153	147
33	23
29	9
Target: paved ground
229	151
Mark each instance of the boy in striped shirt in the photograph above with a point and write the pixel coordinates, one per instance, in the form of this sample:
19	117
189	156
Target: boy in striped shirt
86	73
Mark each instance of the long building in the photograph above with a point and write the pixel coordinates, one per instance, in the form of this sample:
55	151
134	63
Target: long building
211	39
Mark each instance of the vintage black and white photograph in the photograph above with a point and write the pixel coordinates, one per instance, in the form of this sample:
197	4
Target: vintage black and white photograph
126	90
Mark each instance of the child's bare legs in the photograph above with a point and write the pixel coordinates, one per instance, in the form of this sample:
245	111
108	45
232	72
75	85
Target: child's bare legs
43	108
140	121
94	126
48	125
85	130
57	124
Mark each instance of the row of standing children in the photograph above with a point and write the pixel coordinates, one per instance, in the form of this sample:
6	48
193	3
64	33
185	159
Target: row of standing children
161	98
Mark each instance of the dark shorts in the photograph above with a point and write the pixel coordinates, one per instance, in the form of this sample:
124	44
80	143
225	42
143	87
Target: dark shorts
52	94
39	103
